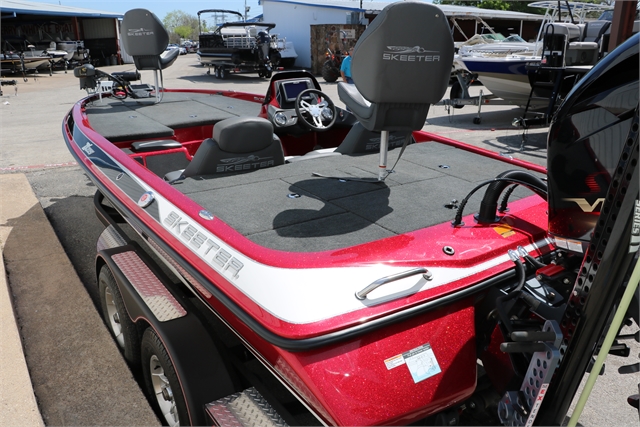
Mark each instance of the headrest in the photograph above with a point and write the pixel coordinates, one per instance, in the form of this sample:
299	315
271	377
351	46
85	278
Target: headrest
405	55
243	134
143	33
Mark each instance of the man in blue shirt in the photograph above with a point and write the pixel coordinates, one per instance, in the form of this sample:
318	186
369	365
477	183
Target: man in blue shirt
345	68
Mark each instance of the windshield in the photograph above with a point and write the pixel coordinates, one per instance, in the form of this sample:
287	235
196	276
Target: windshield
496	36
514	38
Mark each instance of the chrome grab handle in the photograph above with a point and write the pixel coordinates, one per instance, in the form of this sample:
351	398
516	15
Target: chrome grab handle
384	280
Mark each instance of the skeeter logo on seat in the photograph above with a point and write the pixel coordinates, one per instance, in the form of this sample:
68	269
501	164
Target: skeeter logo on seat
410	54
213	253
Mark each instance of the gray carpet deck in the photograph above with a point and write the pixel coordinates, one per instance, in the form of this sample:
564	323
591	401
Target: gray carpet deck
329	213
285	207
133	119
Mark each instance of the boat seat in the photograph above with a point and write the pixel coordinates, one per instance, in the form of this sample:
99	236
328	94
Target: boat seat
401	65
239	144
577	52
594	30
358	141
145	39
155	145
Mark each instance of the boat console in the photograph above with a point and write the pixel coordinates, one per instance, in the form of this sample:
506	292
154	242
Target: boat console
296	105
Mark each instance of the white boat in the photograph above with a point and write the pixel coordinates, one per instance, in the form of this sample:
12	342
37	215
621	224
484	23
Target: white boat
504	71
498	45
504	76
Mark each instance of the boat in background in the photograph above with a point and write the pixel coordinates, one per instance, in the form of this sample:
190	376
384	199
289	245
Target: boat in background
497	44
506	74
239	47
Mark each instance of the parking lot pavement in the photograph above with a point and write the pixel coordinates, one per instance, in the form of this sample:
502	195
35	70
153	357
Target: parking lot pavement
76	371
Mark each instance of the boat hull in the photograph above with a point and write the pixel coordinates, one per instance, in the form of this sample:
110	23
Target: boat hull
352	362
505	77
223	55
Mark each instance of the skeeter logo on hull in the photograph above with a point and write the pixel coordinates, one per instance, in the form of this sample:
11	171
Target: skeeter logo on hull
410	54
207	248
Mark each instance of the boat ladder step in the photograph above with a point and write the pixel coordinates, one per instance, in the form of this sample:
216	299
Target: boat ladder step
244	409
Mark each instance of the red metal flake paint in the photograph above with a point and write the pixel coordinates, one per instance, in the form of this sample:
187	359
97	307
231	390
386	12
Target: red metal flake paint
352	381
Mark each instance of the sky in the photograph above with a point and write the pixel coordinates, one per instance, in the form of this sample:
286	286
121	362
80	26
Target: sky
162	7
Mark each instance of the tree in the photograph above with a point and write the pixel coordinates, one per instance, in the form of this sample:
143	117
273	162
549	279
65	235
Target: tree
180	25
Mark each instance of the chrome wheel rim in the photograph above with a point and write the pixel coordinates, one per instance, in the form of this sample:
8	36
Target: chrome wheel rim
163	392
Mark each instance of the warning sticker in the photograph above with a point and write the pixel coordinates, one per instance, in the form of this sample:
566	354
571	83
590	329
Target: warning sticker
504	230
422	363
394	362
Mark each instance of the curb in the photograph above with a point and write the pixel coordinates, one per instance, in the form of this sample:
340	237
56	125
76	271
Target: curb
73	366
19	406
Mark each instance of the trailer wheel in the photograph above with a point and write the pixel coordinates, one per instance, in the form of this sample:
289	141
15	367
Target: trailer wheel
456	93
115	316
222	73
161	381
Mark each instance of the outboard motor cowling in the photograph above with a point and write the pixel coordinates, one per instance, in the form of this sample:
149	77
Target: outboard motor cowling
585	141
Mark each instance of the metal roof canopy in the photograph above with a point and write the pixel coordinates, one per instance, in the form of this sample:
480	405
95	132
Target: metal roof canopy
374	7
11	8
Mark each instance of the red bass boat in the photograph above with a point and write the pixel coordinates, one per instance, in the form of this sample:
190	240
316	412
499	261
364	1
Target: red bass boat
263	263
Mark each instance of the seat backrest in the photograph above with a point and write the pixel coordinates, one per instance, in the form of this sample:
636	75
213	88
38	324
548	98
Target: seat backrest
594	30
239	144
405	55
401	65
145	39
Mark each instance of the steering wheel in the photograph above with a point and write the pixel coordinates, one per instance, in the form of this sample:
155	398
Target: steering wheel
318	113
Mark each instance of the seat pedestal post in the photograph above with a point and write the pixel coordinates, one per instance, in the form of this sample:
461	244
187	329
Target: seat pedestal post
158	89
384	147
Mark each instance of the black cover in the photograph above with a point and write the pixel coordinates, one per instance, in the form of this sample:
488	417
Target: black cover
586	138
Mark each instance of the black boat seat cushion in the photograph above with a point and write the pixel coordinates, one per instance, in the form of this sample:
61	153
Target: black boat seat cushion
401	65
239	144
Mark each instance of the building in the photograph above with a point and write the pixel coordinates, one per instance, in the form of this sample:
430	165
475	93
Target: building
295	20
42	23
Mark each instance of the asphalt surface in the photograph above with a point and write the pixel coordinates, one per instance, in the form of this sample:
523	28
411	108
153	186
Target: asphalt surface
74	374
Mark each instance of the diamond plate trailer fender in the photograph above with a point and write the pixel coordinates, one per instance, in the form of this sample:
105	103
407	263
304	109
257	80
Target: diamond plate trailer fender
151	301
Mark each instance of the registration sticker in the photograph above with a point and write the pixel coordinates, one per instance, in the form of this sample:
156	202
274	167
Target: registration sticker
422	363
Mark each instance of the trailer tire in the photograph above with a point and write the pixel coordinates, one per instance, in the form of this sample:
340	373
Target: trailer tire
456	93
222	73
161	381
116	317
